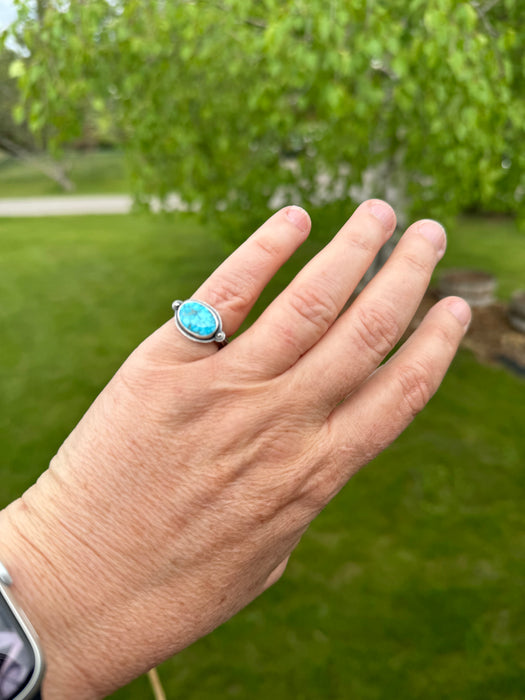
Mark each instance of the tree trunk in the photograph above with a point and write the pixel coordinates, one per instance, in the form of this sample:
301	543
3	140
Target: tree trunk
51	169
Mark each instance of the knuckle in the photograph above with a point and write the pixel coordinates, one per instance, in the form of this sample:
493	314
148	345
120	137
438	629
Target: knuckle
418	264
417	386
315	306
447	337
138	379
232	293
145	392
288	337
319	492
377	328
322	481
267	247
363	241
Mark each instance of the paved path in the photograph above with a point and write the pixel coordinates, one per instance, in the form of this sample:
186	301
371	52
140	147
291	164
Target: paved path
66	205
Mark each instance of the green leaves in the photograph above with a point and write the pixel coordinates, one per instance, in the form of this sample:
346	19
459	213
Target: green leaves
232	103
16	68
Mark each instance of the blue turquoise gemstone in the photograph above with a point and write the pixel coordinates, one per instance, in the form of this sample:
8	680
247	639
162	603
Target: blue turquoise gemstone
197	319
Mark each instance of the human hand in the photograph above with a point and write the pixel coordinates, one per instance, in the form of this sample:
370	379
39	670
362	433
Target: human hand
180	495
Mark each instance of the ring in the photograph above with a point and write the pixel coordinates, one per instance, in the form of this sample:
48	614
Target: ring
199	322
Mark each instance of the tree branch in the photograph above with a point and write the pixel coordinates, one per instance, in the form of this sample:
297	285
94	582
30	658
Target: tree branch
488	7
482	14
51	170
250	21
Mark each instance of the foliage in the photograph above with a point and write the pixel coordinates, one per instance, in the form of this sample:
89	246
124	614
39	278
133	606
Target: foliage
13	133
236	104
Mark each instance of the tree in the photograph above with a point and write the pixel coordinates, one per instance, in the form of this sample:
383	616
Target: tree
13	135
235	103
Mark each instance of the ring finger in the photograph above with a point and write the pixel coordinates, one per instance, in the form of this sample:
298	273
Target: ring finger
369	329
236	284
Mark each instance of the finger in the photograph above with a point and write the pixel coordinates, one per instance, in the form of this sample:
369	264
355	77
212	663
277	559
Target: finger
310	304
369	329
235	285
377	412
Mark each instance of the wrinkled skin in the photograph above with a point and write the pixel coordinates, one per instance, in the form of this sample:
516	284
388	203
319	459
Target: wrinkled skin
182	492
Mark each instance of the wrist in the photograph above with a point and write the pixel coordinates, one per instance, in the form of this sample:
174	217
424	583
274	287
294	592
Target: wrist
33	551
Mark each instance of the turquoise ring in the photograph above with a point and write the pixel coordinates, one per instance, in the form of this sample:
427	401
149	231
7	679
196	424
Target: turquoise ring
199	322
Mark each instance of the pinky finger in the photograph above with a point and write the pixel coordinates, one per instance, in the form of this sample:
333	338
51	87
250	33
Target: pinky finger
374	415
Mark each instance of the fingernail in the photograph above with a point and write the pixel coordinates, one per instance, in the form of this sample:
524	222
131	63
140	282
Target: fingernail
299	217
382	211
461	311
434	232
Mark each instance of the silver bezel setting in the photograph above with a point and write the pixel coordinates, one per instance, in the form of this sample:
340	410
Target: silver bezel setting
34	683
218	336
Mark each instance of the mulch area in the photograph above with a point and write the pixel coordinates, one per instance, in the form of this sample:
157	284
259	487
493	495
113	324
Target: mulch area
490	336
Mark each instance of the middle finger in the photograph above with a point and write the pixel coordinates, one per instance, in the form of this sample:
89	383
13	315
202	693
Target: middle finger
304	311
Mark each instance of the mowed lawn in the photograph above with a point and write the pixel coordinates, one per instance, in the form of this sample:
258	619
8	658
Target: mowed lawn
410	585
92	172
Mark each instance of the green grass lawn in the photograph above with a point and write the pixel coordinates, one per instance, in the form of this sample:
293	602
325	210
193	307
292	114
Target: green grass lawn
489	244
92	173
409	585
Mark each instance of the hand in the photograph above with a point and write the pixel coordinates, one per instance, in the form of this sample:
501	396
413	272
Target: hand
182	492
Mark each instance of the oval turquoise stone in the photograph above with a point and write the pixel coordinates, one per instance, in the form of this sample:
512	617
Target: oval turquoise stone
197	319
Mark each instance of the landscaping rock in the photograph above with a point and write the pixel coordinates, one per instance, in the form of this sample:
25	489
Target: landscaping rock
475	286
517	311
490	336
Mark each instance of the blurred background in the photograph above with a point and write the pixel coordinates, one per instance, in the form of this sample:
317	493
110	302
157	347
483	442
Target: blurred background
140	140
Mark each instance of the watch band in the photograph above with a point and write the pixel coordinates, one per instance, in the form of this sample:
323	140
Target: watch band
20	648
